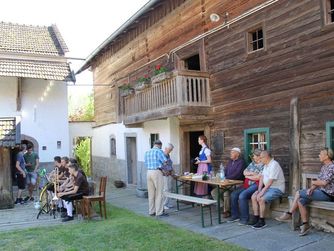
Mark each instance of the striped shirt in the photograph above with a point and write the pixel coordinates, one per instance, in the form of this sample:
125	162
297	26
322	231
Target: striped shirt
154	158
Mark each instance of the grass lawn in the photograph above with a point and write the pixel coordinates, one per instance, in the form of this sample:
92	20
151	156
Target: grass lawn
124	230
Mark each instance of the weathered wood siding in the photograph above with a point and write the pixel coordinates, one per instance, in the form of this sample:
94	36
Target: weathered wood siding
254	90
168	25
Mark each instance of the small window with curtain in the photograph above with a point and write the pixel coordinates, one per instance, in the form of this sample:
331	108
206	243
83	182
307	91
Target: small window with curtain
255	138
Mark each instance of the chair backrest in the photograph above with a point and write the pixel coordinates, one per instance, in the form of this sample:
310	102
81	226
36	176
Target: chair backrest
103	185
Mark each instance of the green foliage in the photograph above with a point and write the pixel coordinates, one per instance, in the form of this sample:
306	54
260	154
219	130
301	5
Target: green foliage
123	230
84	111
82	153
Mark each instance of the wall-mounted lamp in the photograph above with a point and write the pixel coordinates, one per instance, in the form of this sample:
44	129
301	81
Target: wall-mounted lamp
214	17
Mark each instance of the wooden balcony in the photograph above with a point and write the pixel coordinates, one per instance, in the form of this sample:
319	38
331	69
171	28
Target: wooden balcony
186	93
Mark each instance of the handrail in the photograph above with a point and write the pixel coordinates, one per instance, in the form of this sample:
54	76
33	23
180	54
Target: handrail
182	89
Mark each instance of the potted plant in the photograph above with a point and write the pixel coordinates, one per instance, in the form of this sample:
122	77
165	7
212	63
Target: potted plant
143	83
160	73
126	90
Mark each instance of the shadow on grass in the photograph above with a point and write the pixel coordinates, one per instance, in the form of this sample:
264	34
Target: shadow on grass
123	230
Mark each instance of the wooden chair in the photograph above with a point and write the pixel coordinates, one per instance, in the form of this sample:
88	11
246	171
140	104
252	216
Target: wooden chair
101	198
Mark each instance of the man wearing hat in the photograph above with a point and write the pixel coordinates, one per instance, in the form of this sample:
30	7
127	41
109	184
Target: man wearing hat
154	160
233	171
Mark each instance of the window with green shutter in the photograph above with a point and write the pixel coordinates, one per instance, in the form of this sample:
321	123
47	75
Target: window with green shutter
330	134
255	138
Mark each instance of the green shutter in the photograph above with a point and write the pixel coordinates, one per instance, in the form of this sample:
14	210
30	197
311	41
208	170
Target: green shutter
329	134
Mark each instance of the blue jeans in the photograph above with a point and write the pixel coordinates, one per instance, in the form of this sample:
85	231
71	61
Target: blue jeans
316	195
239	200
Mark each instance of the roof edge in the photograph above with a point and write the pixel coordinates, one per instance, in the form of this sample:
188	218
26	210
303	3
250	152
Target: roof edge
59	38
120	30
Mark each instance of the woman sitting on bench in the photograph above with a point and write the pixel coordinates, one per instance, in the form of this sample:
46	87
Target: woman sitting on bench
322	189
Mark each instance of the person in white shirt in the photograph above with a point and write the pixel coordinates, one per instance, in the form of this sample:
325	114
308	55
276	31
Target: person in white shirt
271	187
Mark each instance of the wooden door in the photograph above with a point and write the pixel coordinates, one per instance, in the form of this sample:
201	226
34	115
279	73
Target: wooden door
131	152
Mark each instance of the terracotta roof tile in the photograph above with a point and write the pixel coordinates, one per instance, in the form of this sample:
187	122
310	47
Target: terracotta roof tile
36	69
30	39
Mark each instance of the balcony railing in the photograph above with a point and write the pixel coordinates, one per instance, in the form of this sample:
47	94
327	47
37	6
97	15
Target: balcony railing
183	89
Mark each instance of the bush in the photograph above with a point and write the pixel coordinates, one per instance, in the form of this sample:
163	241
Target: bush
82	153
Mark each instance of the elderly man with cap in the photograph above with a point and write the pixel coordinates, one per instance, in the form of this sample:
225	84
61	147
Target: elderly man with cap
233	171
154	160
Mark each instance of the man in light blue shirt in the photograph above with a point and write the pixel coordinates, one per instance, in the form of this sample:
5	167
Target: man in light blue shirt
154	160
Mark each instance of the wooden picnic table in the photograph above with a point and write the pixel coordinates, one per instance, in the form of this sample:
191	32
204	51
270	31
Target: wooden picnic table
220	184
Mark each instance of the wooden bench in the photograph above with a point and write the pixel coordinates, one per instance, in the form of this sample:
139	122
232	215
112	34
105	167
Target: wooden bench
202	202
314	205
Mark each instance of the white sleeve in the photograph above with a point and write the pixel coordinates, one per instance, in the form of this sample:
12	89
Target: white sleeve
207	152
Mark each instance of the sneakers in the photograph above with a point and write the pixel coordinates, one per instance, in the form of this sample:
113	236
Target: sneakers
162	215
286	217
19	201
152	214
253	221
260	224
243	223
32	199
67	218
304	229
166	208
26	198
233	219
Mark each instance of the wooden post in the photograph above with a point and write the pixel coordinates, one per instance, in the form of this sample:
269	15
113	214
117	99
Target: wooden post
294	170
6	192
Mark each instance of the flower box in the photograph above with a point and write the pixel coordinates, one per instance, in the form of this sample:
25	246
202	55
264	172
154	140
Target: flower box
142	85
160	77
127	92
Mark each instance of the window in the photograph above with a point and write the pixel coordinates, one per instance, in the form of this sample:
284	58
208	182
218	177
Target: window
192	63
255	40
329	11
330	134
256	138
112	146
153	137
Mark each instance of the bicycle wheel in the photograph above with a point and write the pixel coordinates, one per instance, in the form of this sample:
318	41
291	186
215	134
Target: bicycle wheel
44	201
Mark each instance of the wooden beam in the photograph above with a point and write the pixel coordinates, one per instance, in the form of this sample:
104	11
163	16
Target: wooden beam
294	169
19	95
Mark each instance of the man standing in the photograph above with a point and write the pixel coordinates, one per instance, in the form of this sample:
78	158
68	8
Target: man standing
32	162
271	187
167	172
20	174
154	160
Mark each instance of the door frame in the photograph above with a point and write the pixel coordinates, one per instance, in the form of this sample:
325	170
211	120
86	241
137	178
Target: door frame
131	135
184	141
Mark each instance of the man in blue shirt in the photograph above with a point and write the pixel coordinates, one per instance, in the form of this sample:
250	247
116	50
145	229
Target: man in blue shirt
20	173
154	160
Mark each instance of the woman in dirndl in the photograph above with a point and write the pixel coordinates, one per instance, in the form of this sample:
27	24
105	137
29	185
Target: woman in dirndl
204	163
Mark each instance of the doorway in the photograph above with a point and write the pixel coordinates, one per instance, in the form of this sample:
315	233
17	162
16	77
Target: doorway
194	149
131	156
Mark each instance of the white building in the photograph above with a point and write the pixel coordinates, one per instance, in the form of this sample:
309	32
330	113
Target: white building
33	78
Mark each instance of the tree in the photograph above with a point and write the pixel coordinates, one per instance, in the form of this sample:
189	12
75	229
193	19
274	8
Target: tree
81	109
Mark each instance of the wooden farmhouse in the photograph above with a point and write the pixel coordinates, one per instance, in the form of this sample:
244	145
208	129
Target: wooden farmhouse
246	73
33	97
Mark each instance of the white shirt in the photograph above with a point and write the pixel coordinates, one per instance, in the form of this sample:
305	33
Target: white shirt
274	171
207	151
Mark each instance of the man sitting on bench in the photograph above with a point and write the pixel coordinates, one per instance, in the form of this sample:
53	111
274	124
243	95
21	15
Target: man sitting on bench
271	187
80	189
322	189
